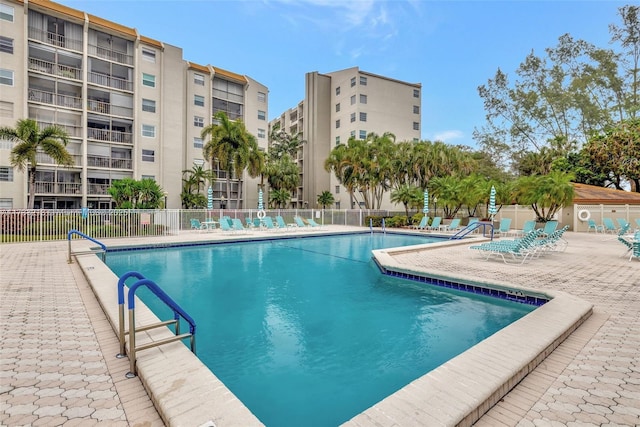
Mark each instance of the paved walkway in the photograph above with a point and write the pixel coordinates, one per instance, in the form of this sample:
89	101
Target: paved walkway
56	349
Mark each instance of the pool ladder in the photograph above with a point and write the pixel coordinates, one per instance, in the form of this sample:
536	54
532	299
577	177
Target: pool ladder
178	313
102	252
473	227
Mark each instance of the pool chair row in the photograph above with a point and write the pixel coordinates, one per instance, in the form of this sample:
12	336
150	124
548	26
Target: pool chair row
532	245
609	226
631	241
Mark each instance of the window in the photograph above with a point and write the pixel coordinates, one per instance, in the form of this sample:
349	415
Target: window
6	13
151	177
416	93
363	81
198	100
149	55
416	109
6	203
262	115
6	173
262	133
352	134
148	105
338	91
353	117
6	77
262	97
148	80
416	126
363	117
338	107
363	134
337	140
6	44
149	131
148	156
198	121
197	142
353	99
337	123
363	99
198	79
337	189
6	109
353	81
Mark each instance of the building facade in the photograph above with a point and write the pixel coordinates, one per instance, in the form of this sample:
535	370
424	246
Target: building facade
132	106
341	105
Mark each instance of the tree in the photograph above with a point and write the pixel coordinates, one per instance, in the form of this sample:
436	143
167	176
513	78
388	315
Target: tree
279	198
30	140
408	195
230	144
194	180
128	193
546	194
325	198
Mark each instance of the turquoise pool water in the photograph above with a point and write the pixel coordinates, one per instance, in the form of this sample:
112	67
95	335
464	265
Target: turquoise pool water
308	332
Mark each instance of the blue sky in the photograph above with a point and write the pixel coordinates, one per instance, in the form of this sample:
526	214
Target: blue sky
451	47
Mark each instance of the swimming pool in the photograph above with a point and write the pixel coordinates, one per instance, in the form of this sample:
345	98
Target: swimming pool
307	331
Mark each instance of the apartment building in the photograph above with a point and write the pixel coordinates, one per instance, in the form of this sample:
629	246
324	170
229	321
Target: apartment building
341	105
132	106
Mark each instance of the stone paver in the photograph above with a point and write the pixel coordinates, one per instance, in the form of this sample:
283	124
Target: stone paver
56	348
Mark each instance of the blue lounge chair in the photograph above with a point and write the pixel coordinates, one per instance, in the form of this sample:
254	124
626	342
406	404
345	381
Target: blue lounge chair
609	226
197	225
549	227
638	223
281	224
267	222
527	228
517	250
237	226
435	224
505	226
454	225
423	223
301	224
226	227
313	223
622	222
595	227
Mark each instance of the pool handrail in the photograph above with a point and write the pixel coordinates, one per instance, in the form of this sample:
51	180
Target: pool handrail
81	234
177	313
473	227
121	331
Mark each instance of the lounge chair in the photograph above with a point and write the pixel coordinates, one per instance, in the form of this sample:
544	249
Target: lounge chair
435	224
622	222
257	223
424	222
226	227
549	227
282	225
505	226
638	223
313	223
518	250
527	228
267	222
609	226
595	227
300	223
197	225
237	226
249	223
454	225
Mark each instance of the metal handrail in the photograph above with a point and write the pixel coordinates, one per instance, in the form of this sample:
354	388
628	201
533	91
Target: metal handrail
471	228
177	313
72	232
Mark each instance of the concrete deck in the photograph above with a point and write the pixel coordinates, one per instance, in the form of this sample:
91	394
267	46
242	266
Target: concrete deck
58	345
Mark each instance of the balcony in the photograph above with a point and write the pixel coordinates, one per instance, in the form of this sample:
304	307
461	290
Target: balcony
110	135
54	39
58	188
44	97
109	162
110	54
99	189
45	159
54	69
108	108
72	131
109	81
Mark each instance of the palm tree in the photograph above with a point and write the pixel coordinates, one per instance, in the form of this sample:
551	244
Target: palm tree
30	140
407	195
193	181
325	198
279	198
230	144
546	194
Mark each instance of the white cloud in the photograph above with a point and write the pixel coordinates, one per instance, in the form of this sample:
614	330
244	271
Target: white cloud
448	135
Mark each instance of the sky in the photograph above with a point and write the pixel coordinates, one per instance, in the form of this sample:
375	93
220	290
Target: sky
450	47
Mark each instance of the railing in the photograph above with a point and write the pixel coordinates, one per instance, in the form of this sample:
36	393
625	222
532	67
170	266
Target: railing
77	233
43	187
473	227
52	68
109	162
55	39
110	54
43	158
73	131
110	135
99	189
44	97
178	313
110	81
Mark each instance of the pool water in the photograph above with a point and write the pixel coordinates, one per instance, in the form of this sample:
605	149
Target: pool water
307	331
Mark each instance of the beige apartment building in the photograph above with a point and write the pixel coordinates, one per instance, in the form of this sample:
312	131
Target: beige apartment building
132	106
341	105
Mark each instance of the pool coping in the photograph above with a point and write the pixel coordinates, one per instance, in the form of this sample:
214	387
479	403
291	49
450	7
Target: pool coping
456	393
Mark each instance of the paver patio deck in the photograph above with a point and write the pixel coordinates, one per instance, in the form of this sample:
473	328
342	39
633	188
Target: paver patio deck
57	364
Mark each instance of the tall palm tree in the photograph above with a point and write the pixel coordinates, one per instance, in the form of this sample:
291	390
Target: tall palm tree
30	140
230	144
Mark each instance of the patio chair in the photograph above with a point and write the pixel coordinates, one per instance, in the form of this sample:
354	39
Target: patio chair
638	223
595	227
300	223
454	225
423	223
609	226
226	227
197	225
435	224
549	227
622	222
505	226
267	221
517	250
313	223
527	228
282	225
237	226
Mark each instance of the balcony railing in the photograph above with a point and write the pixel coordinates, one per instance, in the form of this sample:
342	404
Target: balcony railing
55	39
54	69
110	135
107	108
58	188
43	158
106	80
109	162
110	54
45	97
98	189
72	131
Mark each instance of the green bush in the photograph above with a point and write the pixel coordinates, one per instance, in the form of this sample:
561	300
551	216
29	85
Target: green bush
416	218
397	221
